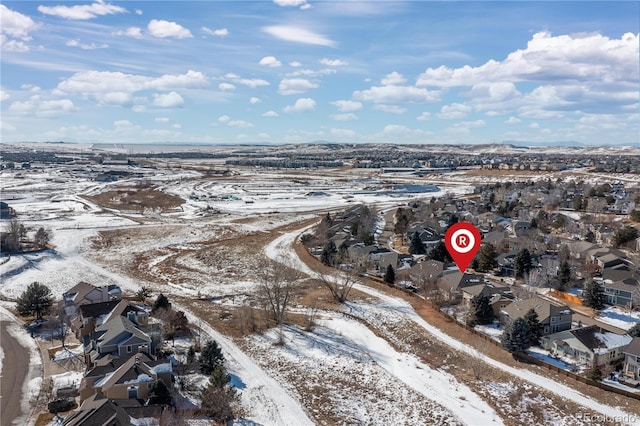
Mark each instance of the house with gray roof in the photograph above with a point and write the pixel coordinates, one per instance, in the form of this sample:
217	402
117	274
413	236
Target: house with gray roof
118	337
554	317
589	346
624	293
631	369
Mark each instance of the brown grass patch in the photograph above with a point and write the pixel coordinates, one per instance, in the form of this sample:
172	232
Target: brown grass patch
137	199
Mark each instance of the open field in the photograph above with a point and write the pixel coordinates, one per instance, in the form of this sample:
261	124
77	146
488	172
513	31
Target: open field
201	237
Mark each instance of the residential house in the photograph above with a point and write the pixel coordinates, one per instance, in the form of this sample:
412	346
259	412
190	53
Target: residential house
95	314
101	411
499	296
624	293
553	317
631	369
382	258
118	337
520	227
427	270
84	293
589	346
451	284
135	378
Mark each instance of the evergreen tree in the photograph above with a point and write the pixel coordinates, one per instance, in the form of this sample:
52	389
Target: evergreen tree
531	317
516	336
594	373
390	275
634	331
564	275
328	253
487	257
416	246
161	303
160	394
593	296
211	357
440	253
218	402
590	237
42	237
523	263
482	311
35	300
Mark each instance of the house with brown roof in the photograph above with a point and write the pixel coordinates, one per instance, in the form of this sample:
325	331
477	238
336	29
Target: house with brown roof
84	293
134	378
553	316
95	314
589	346
101	411
499	296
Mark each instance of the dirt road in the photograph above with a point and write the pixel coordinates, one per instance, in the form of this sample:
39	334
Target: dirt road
15	366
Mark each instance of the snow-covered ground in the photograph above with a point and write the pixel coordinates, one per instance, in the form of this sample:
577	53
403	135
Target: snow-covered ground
619	317
280	249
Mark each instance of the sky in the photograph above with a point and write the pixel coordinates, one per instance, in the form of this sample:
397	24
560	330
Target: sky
298	71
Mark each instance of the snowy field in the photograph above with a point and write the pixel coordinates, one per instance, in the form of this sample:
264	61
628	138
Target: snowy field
349	370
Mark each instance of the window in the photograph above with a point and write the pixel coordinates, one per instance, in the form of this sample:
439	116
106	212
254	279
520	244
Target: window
129	349
553	319
133	392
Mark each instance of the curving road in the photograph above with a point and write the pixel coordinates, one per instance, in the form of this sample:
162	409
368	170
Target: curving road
15	368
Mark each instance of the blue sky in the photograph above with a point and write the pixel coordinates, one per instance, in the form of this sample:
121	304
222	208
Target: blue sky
290	71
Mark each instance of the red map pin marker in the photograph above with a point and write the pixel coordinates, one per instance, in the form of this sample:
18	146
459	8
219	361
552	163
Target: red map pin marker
462	240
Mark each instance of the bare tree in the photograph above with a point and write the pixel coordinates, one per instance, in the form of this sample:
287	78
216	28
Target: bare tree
339	283
13	237
277	286
42	237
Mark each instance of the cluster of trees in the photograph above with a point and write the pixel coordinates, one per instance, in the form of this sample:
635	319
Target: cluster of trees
16	237
521	333
219	399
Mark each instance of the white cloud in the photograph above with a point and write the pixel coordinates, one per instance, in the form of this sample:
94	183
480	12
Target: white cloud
424	116
295	86
454	111
295	64
305	6
344	117
534	126
270	114
301	105
117	88
298	35
343	133
395	94
226	86
161	119
134	32
176	126
253	83
270	61
4	95
82	12
512	120
162	29
168	100
592	57
469	124
399	130
15	24
12	45
393	109
122	124
42	108
239	123
290	3
393	79
333	62
138	108
224	119
347	106
84	46
220	32
138	12
311	73
7	127
254	100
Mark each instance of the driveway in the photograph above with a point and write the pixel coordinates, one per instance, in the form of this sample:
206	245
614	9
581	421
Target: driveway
15	368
